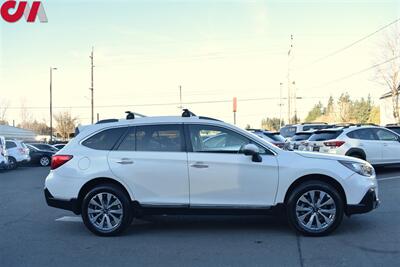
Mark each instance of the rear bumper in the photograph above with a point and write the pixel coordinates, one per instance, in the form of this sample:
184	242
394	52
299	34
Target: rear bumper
368	203
71	204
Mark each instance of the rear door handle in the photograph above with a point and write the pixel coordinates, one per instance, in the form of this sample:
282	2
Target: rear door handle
199	165
125	161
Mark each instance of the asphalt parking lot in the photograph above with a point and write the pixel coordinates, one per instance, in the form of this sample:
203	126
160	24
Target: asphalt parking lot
32	234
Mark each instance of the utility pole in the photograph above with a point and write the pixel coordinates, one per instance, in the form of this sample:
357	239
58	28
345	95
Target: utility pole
234	109
180	97
92	85
295	101
51	103
280	104
290	57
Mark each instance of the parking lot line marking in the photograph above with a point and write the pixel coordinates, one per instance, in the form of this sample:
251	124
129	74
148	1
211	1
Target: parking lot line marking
69	219
389	178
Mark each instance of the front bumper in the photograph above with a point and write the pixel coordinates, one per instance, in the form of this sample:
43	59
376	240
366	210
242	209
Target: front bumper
369	202
71	204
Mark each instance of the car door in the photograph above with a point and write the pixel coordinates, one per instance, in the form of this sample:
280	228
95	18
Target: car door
390	145
367	140
221	176
152	160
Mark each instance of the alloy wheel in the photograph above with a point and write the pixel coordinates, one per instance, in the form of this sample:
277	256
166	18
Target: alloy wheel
315	210
105	211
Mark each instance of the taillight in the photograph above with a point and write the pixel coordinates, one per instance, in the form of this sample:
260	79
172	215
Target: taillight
59	160
334	143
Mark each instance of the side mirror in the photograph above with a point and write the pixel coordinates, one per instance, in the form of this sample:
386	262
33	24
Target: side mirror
253	151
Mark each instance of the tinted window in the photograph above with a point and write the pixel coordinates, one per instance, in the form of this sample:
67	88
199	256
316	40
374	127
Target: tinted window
10	144
324	135
105	140
206	138
395	129
128	144
300	137
159	138
384	135
288	131
363	134
275	137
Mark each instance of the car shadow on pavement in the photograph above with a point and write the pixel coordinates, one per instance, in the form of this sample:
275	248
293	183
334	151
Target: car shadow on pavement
220	223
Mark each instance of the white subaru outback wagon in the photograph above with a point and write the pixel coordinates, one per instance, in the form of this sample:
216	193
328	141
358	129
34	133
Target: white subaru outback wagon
115	171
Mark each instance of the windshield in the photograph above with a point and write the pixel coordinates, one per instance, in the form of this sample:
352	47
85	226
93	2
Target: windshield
324	135
301	137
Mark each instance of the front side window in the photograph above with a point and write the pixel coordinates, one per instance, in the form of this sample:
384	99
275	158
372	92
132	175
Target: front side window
384	135
164	138
105	140
213	139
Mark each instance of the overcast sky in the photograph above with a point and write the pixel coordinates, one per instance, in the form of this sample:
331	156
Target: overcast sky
215	49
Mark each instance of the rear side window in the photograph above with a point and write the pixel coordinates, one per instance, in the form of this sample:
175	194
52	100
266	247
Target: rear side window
324	135
300	137
105	140
10	144
164	138
363	134
288	131
128	144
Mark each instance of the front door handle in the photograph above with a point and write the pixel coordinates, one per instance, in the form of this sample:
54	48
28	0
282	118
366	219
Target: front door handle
199	165
125	161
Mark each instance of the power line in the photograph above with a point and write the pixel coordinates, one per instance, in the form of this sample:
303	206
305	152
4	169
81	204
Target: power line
352	74
172	103
352	44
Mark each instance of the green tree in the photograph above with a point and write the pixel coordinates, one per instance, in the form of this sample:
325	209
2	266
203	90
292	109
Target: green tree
271	124
345	107
362	110
375	115
315	112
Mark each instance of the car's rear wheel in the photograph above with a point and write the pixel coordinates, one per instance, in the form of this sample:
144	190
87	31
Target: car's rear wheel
44	161
12	163
106	210
315	208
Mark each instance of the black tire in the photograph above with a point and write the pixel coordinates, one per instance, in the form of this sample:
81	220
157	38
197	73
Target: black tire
124	199
12	163
44	161
293	201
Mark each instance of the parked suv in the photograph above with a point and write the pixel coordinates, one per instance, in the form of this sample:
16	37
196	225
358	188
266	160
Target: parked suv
273	137
112	172
377	145
18	153
3	153
290	130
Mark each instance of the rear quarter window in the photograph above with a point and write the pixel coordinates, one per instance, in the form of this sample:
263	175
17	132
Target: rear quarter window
324	135
300	137
106	139
288	131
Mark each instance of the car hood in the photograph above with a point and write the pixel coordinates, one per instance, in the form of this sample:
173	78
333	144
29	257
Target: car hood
317	155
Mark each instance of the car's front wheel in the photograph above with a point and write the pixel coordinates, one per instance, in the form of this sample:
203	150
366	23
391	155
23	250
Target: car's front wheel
315	208
106	210
12	163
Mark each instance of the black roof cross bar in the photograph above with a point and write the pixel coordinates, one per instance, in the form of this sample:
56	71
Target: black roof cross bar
187	113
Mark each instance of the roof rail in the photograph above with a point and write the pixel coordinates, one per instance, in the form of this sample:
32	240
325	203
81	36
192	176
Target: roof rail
365	124
304	123
187	113
392	124
106	121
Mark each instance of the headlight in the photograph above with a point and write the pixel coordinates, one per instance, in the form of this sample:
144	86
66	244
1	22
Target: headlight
364	169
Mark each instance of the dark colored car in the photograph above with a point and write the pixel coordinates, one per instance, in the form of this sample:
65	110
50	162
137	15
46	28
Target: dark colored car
59	146
38	156
44	147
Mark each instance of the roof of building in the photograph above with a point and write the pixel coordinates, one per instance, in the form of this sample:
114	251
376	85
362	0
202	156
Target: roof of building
389	94
10	132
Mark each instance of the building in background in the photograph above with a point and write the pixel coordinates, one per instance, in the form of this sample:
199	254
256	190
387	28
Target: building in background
386	109
10	132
